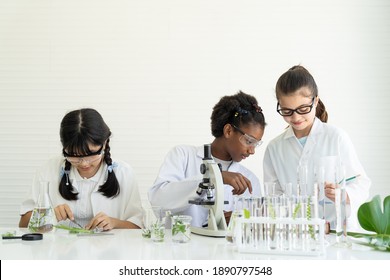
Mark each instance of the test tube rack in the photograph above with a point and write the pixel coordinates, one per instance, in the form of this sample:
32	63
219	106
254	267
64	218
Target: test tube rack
284	236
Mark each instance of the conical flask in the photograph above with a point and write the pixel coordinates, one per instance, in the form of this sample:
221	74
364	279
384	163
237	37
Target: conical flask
43	217
236	213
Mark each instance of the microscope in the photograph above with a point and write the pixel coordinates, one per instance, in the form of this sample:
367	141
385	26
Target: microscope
213	188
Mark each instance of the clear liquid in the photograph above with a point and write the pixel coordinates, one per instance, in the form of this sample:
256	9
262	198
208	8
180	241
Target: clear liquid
41	220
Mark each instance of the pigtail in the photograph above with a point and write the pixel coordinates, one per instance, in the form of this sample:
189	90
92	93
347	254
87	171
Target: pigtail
111	187
65	188
321	112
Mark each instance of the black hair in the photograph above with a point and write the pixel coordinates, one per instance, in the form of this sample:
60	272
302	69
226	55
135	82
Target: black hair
79	129
239	109
295	78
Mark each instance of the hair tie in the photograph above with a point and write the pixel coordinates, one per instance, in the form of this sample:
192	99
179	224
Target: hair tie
240	112
257	108
111	166
66	173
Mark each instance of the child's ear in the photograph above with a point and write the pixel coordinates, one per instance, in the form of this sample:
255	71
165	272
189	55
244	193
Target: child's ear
228	130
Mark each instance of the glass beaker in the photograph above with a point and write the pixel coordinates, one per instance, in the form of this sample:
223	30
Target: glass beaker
42	217
154	223
181	228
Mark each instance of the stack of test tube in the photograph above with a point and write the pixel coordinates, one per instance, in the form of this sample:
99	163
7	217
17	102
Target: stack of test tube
280	225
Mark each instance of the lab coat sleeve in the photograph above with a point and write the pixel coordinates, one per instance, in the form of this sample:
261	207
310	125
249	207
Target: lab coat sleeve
133	208
177	181
127	206
269	172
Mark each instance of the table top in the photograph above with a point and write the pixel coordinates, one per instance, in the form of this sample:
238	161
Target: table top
124	244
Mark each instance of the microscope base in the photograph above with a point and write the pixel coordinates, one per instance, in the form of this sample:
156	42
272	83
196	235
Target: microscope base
208	232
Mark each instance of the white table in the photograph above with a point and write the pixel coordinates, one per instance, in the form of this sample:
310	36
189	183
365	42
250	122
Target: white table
130	245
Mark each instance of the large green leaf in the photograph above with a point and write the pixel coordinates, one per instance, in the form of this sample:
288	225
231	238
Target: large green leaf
372	218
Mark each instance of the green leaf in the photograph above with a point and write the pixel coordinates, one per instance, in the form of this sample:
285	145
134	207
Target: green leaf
247	214
372	218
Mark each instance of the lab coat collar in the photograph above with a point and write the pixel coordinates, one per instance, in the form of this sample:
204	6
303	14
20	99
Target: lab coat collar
99	178
316	129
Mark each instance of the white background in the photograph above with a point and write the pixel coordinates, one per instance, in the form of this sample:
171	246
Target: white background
154	69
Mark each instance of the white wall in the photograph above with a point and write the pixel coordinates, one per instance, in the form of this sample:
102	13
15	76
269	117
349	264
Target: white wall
154	69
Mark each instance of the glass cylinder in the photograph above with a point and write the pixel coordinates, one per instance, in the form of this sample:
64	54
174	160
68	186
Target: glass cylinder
341	209
302	179
42	217
181	228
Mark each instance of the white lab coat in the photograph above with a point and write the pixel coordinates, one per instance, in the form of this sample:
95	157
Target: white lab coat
125	206
179	178
284	154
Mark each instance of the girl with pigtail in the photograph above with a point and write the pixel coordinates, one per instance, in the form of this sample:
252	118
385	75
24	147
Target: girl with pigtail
237	123
309	140
87	187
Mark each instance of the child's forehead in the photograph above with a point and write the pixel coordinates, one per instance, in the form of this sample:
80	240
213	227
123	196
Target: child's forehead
295	100
85	147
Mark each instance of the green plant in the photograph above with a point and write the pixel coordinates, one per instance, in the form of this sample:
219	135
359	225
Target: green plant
296	210
308	216
146	233
372	217
158	231
178	226
9	234
41	220
74	230
272	215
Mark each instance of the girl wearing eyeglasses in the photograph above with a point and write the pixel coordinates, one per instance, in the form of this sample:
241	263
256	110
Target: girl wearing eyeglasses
87	188
237	123
308	140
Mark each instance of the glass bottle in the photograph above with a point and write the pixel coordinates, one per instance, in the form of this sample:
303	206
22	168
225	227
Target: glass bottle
43	217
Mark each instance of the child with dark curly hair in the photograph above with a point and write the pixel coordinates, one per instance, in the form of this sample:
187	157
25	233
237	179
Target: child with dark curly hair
237	123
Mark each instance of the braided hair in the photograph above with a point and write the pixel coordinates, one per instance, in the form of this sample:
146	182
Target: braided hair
79	129
239	109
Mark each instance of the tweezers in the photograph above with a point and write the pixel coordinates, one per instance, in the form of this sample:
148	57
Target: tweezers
77	224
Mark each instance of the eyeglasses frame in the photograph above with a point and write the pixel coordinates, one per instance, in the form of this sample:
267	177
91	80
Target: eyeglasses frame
296	110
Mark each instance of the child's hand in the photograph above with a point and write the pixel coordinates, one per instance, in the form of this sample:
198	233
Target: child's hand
330	192
63	212
102	221
238	181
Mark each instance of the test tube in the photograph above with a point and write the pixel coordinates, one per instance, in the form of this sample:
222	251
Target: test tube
341	208
285	230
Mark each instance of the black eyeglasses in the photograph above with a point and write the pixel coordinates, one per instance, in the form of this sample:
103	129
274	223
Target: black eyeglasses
246	139
77	159
301	110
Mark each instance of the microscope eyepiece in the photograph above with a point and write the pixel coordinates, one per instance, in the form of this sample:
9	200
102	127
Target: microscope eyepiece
207	151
